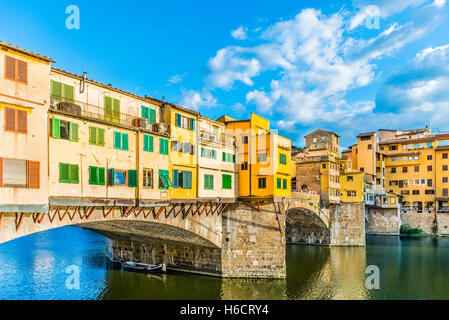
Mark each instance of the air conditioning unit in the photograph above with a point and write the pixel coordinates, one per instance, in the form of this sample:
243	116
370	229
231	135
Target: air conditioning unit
140	123
161	128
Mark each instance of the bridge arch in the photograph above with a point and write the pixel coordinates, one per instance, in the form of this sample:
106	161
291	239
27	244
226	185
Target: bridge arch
304	226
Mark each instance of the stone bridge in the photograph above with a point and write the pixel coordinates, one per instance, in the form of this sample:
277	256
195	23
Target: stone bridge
220	237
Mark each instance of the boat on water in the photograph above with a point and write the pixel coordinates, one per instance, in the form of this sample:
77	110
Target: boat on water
142	267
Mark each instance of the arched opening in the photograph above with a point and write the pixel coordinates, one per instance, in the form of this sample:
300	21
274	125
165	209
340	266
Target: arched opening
306	227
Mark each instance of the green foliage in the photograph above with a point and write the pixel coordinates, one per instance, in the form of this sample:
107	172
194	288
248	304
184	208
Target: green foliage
406	229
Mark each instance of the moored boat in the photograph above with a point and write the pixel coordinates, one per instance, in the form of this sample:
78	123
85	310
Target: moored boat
142	267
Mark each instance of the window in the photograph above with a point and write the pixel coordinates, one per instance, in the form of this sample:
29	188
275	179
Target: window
16	70
111	109
444	156
445	167
117	177
323	139
354	193
445	179
164	180
208	153
262	183
61	92
370	147
415	192
429	168
227	157
404	147
393	148
227	182
148	143
445	192
443	143
96	136
393	170
186	179
13	173
279	183
350	178
245	139
367	138
16	120
429	182
262	157
324	166
362	169
430	191
429	144
244	166
121	141
208	182
284	184
404	169
282	158
185	122
149	114
68	173
163	146
416	169
410	147
97	176
148	178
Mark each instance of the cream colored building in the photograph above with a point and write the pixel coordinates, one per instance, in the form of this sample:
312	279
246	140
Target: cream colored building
24	101
216	161
104	142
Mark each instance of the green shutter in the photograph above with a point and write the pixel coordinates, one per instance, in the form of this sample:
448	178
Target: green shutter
208	182
175	179
125	141
115	110
178	120
68	93
117	140
233	158
73	134
93	175
145	114
132	178
100	137
152	116
279	183
56	129
107	108
111	173
148	143
93	135
74	174
101	176
56	90
163	146
64	173
227	181
192	124
285	184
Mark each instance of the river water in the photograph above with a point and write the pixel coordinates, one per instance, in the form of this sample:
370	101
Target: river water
34	267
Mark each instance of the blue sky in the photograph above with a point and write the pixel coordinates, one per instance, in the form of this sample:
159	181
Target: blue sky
302	64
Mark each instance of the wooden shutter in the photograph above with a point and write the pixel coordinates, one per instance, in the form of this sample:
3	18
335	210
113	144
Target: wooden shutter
74	174
93	135
10	67
93	175
175	178
68	93
33	175
124	141
73	132
10	119
101	176
22	121
22	71
56	90
152	116
111	173
117	140
192	124
100	137
145	114
132	178
279	183
107	108
56	128
178	120
116	110
63	173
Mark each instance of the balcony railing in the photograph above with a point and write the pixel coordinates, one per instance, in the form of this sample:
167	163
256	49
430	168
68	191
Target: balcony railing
90	111
225	139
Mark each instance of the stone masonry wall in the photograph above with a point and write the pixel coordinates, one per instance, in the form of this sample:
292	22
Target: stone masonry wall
254	241
382	221
347	224
305	227
443	223
424	220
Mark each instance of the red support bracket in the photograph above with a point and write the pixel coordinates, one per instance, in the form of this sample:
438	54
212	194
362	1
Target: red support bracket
41	218
205	207
159	213
185	214
171	210
74	213
138	214
130	211
1	216
198	207
223	209
216	209
18	224
109	212
54	216
90	213
145	216
63	216
258	205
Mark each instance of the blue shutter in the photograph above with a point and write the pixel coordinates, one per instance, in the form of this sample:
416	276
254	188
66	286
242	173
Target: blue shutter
178	120
192	124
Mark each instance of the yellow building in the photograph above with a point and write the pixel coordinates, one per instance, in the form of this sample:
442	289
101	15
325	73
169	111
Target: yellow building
263	157
318	166
24	101
183	128
352	186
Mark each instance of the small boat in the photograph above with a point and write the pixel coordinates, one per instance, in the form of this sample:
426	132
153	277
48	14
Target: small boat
142	267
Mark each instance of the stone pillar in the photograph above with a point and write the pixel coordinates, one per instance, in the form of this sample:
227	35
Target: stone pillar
347	224
383	221
254	241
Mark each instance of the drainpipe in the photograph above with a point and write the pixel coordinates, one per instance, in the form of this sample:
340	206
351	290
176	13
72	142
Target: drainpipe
83	82
137	192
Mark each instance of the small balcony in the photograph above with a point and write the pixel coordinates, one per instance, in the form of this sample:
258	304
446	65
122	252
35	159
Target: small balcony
85	110
212	137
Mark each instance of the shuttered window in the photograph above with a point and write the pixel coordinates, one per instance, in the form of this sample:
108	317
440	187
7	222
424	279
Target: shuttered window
282	158
227	182
262	183
176	179
16	70
61	92
279	183
285	184
97	176
111	109
208	182
208	153
33	175
148	143
164	180
187	180
68	173
132	179
163	146
16	120
96	136
184	122
228	157
64	130
149	114
121	141
14	173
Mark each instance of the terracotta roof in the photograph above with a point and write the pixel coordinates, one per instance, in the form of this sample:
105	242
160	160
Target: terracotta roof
405	141
21	50
367	134
321	130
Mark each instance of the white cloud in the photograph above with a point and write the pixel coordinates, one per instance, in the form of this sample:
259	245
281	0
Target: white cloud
240	33
195	100
176	78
